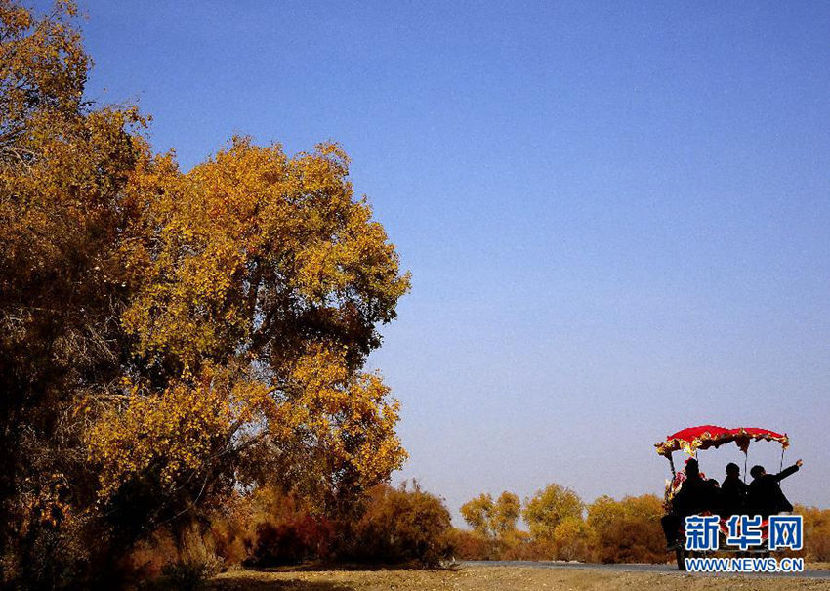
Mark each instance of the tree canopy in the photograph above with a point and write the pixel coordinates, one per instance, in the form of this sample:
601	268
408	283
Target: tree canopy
549	507
169	336
492	518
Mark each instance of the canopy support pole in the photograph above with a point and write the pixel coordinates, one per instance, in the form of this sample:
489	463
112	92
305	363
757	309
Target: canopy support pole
781	463
746	455
671	463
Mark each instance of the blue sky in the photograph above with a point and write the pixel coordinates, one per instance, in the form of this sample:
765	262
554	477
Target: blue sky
616	215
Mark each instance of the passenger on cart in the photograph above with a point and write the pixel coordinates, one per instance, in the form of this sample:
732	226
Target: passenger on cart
696	495
733	493
765	495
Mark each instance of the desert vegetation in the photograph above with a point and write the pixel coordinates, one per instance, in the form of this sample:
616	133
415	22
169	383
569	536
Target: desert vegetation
391	526
183	382
560	526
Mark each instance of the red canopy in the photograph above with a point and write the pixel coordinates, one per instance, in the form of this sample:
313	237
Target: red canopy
705	436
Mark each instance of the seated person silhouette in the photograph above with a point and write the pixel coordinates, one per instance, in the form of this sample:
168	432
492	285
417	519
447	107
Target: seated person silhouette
765	496
695	496
733	493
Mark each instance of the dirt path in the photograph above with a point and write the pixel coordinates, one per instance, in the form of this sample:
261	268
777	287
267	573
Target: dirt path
503	578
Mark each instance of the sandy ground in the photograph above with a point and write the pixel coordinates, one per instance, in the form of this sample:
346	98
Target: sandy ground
499	579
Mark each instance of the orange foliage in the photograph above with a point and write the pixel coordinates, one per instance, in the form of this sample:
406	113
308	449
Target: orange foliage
816	533
400	525
465	544
557	528
258	282
628	530
545	510
171	337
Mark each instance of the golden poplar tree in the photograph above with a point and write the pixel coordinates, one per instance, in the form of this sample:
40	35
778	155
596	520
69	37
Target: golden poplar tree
167	337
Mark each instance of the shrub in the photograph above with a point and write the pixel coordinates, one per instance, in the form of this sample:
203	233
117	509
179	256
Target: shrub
294	542
628	530
269	527
399	526
574	539
466	544
816	533
521	545
152	556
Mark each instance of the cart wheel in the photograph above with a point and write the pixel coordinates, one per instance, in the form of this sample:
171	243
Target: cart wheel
681	558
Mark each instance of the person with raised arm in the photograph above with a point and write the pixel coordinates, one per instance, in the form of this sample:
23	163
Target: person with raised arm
765	495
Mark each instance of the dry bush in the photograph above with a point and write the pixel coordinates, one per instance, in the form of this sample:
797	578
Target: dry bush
261	529
521	545
268	528
468	544
816	533
403	525
628	530
293	542
231	539
183	560
150	556
465	544
574	539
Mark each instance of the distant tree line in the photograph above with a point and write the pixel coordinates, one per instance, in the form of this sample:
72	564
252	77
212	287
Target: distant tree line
406	525
560	526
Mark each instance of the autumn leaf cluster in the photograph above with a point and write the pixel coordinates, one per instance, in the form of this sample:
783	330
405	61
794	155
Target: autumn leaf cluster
560	526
